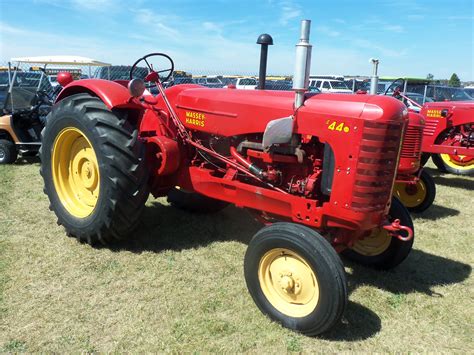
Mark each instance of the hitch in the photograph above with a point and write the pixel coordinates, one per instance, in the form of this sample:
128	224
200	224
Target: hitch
395	227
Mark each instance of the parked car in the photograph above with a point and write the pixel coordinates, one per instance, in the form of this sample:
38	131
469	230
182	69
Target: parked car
418	98
330	85
357	84
470	91
180	80
53	79
280	85
119	72
246	83
210	82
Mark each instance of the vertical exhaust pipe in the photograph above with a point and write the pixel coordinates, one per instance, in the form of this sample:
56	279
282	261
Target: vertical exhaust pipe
374	81
303	64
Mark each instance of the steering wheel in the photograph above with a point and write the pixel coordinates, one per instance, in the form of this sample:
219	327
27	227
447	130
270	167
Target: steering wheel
397	88
42	97
162	78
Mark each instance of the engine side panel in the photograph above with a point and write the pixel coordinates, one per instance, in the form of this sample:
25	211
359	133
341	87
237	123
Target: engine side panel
459	112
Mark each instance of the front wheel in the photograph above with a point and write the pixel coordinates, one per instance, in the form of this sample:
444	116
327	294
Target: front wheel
296	278
8	152
94	170
379	249
419	196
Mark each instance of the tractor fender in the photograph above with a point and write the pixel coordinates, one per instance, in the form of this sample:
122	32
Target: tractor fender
113	94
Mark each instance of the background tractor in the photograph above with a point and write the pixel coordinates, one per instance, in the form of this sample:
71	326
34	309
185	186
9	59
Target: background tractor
414	187
448	136
317	169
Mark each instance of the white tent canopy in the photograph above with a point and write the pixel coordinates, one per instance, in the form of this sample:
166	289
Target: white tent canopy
61	60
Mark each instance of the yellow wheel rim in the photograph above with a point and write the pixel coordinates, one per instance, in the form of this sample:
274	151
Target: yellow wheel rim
288	282
459	162
75	172
411	195
374	244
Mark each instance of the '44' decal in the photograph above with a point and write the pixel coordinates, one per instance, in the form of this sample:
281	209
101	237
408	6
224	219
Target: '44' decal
337	126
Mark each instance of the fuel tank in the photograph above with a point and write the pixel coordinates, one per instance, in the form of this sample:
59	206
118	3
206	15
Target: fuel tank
231	112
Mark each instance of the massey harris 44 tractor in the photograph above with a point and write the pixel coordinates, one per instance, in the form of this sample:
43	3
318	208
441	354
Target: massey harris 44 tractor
317	169
414	186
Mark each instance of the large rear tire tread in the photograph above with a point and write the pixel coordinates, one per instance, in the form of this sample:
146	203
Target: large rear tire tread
123	171
397	250
9	152
321	257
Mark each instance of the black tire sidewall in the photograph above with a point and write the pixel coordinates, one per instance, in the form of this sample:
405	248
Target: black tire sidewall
430	187
68	118
9	150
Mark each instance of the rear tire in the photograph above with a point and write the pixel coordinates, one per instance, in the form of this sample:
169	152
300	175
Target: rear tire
380	250
8	152
94	170
417	197
194	202
296	278
446	164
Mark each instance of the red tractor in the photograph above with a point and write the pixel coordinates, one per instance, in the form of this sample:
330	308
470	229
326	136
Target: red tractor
448	136
414	186
317	169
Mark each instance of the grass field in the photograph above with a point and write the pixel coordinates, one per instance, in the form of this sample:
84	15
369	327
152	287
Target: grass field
179	286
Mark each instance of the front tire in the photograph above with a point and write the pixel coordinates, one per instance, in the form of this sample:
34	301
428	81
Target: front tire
296	278
94	170
8	152
380	250
417	197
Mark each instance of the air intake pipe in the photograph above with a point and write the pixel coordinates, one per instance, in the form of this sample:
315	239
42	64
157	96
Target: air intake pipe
374	81
303	64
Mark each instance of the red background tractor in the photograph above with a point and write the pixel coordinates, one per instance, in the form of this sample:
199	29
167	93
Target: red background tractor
449	135
317	169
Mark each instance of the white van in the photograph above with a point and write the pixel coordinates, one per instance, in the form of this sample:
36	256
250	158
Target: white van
330	85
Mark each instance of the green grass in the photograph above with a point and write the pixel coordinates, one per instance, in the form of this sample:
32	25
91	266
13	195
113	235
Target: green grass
178	286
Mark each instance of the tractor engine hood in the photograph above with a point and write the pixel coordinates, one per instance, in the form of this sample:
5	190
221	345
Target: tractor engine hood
230	112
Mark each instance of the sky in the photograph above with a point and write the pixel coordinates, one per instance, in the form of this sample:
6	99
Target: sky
409	37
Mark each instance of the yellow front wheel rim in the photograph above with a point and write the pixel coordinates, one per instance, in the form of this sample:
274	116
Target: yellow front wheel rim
462	163
374	244
75	172
411	195
288	282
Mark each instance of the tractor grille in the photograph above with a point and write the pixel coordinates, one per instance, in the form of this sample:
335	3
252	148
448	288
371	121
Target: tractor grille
411	146
378	159
430	127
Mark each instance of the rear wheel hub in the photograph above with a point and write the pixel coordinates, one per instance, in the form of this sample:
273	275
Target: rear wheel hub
75	172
